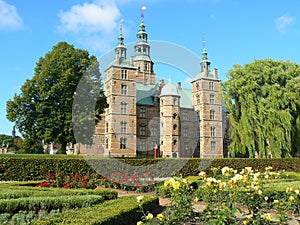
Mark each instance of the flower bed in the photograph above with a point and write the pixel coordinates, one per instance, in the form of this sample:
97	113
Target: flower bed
230	197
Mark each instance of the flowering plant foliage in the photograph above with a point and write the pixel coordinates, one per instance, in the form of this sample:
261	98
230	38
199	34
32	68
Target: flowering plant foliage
180	209
139	183
71	181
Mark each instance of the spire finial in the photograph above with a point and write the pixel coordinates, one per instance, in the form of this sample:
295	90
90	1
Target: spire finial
121	25
143	8
120	38
203	43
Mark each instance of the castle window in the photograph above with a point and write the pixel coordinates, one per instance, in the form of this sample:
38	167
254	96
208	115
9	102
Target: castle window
212	145
175	142
174	101
174	116
185	115
106	127
211	85
153	130
143	130
123	107
123	127
146	66
143	112
185	131
213	131
197	87
153	144
198	99
212	114
142	145
174	126
106	143
123	89
212	99
123	141
124	74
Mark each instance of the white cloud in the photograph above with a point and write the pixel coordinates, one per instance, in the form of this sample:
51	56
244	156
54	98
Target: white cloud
94	24
284	21
9	17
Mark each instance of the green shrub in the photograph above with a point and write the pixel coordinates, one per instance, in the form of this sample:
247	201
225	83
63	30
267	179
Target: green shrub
13	206
15	192
122	211
36	167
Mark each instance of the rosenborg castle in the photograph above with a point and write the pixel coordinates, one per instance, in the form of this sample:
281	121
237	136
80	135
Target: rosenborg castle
151	118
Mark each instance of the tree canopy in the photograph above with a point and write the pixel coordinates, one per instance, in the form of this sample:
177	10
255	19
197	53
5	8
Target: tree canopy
263	103
43	109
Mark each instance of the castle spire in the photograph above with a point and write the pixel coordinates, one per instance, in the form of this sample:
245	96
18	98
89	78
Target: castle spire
142	35
205	63
120	38
120	50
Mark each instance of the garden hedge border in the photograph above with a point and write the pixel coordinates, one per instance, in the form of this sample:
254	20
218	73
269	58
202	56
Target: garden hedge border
36	167
122	211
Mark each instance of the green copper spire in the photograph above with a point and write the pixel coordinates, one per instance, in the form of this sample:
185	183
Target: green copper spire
120	50
120	38
205	63
204	53
142	35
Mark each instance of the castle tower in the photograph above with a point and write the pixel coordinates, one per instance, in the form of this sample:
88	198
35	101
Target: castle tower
141	59
120	116
206	91
169	121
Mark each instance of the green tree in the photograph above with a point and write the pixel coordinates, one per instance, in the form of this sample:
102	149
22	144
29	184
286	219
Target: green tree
263	101
43	109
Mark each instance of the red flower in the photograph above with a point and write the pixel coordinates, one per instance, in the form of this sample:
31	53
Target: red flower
68	186
50	176
76	176
43	184
147	173
83	184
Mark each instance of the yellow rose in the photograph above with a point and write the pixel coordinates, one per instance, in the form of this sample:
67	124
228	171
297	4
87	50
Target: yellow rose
276	201
267	216
168	183
160	217
149	216
176	185
291	198
297	192
139	198
139	223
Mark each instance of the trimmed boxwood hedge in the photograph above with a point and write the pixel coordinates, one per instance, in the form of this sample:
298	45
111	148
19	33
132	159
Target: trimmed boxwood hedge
122	211
19	192
36	167
13	206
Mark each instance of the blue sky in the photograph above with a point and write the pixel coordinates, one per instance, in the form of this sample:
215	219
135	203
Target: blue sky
235	31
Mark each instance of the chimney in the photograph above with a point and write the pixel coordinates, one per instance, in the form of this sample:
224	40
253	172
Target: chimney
179	85
216	73
131	60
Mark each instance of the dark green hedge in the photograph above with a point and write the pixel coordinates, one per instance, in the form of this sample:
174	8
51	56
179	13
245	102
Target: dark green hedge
36	167
122	211
48	203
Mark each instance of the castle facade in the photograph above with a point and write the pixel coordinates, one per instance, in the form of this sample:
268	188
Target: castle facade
150	118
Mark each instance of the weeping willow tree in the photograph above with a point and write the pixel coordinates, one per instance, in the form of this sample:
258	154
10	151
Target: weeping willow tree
263	103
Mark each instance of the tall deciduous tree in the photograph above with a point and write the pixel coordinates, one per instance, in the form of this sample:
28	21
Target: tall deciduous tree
43	109
263	101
